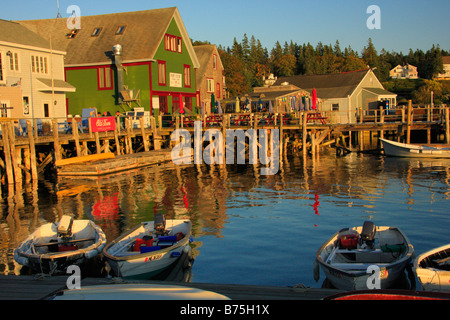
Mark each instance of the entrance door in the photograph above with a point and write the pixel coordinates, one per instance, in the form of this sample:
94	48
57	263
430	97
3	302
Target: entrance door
46	110
175	104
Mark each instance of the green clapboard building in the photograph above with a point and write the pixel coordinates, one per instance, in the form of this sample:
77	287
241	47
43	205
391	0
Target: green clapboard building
121	61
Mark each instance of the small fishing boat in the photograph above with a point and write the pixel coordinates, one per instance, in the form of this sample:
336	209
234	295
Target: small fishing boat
433	269
53	247
397	149
351	258
149	248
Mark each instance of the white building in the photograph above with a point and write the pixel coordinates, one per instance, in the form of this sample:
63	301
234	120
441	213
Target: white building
446	74
404	72
31	75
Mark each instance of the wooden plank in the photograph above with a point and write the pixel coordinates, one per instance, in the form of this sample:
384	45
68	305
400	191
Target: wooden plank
29	287
83	159
32	288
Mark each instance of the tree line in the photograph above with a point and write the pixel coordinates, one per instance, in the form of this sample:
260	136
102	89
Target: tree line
247	62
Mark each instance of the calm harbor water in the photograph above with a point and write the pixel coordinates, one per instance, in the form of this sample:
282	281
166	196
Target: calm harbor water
248	228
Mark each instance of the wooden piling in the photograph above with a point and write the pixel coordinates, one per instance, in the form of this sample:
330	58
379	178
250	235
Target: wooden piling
304	133
76	136
144	136
409	122
447	125
12	153
33	164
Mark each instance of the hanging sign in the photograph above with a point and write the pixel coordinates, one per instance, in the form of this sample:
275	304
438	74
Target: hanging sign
103	124
175	80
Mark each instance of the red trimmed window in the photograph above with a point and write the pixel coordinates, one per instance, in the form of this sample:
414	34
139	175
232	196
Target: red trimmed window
187	76
161	73
173	43
104	78
218	91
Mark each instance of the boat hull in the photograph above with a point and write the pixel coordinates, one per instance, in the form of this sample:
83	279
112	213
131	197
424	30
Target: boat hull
41	260
396	149
359	276
137	291
145	265
388	295
431	277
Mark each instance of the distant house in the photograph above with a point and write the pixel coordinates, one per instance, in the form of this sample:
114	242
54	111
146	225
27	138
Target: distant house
270	80
404	72
31	75
283	98
125	60
446	74
344	92
210	79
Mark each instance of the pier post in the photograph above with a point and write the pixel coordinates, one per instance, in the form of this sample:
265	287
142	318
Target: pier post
7	152
304	132
17	170
144	136
281	136
382	122
56	144
409	122
33	164
447	125
76	136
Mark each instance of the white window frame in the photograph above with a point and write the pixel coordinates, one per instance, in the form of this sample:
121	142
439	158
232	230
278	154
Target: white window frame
210	84
14	59
2	67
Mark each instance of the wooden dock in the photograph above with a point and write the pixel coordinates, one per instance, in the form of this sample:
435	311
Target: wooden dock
32	288
109	165
28	153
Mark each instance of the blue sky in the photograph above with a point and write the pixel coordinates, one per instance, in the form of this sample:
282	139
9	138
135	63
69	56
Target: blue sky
405	24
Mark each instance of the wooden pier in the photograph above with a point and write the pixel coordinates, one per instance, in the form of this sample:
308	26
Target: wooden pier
32	288
28	150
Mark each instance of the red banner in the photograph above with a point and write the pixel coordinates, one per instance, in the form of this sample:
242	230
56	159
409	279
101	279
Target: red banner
103	124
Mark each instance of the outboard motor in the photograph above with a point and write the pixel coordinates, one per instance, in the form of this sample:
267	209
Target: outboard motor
160	224
65	227
368	233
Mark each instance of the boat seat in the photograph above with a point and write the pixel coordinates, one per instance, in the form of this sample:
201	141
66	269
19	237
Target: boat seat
127	253
357	266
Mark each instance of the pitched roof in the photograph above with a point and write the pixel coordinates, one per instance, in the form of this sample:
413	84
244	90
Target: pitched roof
16	33
144	31
380	92
446	59
204	53
335	85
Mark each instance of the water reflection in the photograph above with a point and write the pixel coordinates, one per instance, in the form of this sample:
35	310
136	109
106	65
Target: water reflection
308	199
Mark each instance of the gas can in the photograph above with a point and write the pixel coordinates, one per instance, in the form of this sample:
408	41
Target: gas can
349	241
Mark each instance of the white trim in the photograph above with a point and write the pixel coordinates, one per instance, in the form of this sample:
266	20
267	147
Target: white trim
23	46
106	63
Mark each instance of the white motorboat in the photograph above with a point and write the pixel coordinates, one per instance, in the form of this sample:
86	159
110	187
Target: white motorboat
53	247
397	149
149	248
351	258
433	269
